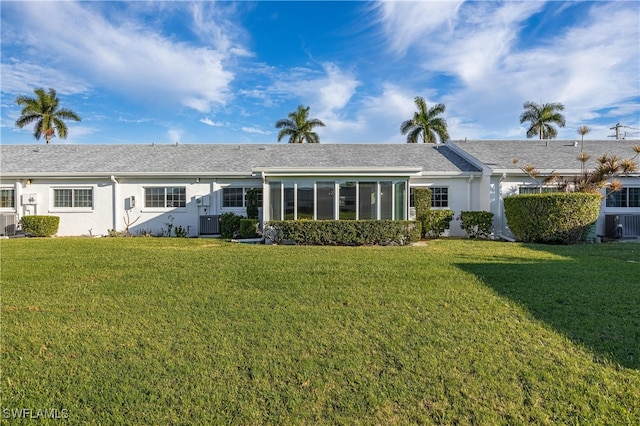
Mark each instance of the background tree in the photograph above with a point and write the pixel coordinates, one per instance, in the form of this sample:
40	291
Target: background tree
582	131
45	110
425	123
542	118
298	127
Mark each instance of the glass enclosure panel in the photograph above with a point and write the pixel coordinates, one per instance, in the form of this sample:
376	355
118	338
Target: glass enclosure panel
275	202
305	202
367	208
326	200
347	201
289	201
386	200
400	201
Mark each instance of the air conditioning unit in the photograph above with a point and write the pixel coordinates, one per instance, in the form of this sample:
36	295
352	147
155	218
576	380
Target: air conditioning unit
622	225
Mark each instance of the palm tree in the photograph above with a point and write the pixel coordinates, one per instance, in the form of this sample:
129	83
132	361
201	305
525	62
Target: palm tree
299	127
426	123
582	131
541	118
45	111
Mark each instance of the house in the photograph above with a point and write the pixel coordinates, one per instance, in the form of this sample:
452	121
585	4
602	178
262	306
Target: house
150	188
95	188
620	211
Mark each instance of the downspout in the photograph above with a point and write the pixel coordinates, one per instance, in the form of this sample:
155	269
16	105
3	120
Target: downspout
114	203
469	192
501	210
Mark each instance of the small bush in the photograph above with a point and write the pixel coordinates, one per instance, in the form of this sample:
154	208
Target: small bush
230	225
348	232
560	218
476	224
252	203
422	202
248	228
40	226
435	222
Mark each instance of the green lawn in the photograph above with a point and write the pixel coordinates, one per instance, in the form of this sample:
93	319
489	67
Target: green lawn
195	331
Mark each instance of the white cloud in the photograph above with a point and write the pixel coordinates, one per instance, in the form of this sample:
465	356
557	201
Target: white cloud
210	122
405	23
327	92
255	130
174	135
126	56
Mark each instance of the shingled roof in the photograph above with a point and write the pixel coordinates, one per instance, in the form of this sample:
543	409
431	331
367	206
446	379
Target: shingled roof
549	155
238	159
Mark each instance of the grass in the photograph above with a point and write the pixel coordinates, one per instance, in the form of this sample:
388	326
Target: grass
193	331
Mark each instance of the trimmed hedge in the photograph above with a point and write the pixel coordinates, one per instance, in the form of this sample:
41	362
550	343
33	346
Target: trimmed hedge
476	224
230	225
560	218
248	228
40	226
435	222
348	232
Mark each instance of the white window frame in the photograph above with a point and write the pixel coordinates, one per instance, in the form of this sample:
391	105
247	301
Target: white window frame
165	207
15	201
244	196
72	208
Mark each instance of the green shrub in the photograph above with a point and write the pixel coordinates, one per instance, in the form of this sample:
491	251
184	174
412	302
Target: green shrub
422	202
252	203
230	225
476	224
40	226
561	218
248	228
435	222
348	232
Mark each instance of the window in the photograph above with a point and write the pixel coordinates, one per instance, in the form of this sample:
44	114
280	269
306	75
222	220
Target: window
440	197
237	197
626	197
233	197
73	198
535	189
165	197
7	198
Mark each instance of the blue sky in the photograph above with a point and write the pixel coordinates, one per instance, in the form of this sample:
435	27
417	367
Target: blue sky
225	72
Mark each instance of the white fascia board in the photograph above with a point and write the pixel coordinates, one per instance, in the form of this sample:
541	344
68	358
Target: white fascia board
451	174
339	171
122	175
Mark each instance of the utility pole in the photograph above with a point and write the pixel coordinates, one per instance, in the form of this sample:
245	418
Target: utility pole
617	129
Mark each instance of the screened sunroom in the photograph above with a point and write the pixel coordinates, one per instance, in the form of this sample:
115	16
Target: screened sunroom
323	198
